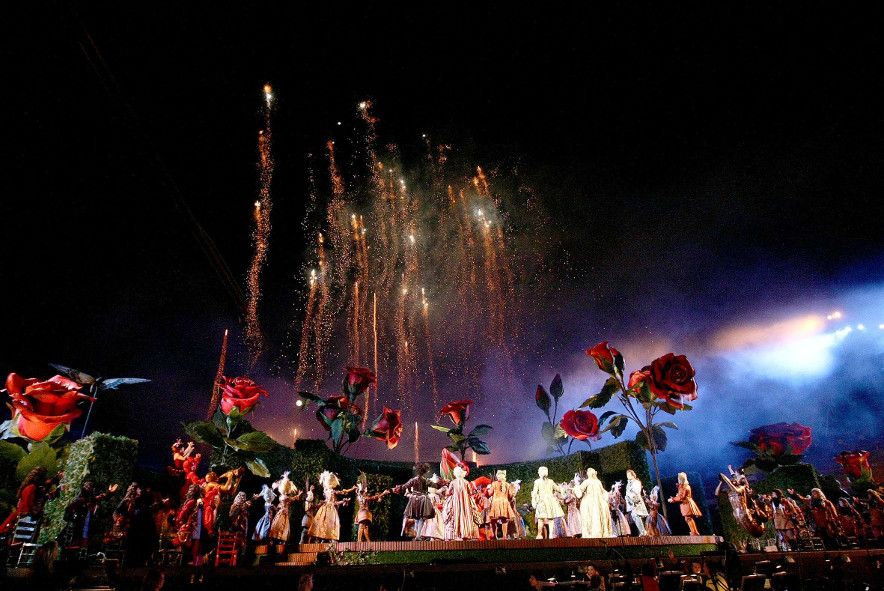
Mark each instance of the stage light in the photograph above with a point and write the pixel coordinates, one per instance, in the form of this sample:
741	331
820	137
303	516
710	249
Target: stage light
411	238
881	326
257	205
860	326
299	403
339	122
363	105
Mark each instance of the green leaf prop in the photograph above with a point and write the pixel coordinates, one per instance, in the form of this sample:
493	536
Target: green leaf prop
258	468
480	447
548	432
668	425
337	432
445	430
659	438
256	441
605	415
204	432
616	425
480	430
604	396
11	453
40	455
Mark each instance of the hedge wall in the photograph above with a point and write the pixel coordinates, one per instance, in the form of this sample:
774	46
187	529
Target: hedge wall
801	477
104	459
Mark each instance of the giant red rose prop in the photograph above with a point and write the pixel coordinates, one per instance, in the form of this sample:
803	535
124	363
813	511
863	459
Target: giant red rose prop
606	356
40	407
388	427
672	379
580	424
359	379
241	393
781	438
855	463
459	411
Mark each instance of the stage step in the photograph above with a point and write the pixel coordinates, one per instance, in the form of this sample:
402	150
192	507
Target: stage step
300	559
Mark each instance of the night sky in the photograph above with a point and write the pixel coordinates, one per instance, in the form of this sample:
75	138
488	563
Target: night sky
709	174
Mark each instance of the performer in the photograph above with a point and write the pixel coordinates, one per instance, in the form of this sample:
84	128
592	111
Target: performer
501	514
572	504
656	524
239	515
189	522
288	494
747	511
434	529
262	528
363	516
824	515
546	505
31	496
689	509
180	453
190	466
595	514
309	510
876	514
635	505
521	526
211	499
459	510
327	523
80	512
619	523
784	521
419	506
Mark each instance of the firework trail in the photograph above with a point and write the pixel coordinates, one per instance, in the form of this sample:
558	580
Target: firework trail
398	236
261	233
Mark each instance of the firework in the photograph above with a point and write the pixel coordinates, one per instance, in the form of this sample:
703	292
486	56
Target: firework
261	233
435	252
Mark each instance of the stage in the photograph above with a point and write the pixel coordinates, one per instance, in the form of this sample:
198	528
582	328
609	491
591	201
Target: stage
498	551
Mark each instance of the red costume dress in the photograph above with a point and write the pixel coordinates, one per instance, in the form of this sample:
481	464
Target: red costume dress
26	502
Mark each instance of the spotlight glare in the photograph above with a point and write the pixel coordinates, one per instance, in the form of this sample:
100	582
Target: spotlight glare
860	326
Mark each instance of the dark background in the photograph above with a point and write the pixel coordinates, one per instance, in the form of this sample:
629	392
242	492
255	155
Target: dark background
698	162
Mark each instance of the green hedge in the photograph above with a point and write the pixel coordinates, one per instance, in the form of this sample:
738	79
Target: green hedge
103	459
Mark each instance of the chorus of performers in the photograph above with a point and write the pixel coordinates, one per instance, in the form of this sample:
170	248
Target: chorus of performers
453	505
851	521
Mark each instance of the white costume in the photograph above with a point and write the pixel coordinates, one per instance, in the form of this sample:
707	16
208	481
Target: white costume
635	506
595	515
546	506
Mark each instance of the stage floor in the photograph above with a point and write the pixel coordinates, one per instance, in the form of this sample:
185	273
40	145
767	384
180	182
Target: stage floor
498	551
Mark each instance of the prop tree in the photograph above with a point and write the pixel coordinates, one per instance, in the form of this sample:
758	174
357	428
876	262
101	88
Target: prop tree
666	385
459	411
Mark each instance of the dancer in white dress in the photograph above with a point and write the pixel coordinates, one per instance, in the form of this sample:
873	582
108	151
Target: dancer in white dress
546	505
595	515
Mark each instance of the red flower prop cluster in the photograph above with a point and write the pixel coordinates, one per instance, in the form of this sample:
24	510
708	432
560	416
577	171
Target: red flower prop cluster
40	407
240	393
342	417
459	411
388	427
781	438
855	464
580	424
